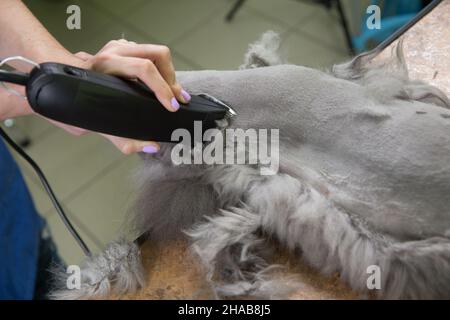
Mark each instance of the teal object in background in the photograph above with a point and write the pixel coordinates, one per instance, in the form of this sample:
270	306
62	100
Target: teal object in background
394	14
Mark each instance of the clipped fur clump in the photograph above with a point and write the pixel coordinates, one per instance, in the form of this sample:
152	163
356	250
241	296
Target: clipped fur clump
364	180
117	270
264	52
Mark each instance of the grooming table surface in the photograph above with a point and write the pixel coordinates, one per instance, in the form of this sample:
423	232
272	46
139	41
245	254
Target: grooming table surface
173	274
427	48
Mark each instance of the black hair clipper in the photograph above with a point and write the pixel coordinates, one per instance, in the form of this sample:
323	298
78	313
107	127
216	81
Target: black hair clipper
111	105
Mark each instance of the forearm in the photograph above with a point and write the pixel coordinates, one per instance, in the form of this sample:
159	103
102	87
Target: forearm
22	34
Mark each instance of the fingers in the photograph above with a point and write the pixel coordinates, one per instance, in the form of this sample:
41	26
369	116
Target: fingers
128	146
142	69
151	64
161	58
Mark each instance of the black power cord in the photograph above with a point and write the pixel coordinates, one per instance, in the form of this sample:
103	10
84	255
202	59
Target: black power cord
49	191
14	77
428	8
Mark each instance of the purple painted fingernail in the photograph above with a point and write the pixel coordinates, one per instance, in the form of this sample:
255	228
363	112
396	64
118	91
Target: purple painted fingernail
186	95
150	149
175	104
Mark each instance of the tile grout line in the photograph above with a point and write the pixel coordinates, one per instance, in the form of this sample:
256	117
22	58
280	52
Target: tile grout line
207	19
196	26
296	28
265	16
79	190
37	183
143	34
81	226
25	166
318	41
74	218
191	30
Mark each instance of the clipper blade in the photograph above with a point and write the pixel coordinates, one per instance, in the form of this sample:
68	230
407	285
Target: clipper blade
230	111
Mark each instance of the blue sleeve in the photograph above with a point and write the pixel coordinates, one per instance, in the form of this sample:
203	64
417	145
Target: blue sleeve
20	232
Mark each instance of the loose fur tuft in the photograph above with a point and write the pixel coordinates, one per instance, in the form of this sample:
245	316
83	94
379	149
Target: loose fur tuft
116	270
265	52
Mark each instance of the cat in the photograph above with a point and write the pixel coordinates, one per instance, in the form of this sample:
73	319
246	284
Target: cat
363	180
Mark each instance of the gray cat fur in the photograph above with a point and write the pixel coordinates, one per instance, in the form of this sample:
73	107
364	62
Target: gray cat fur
364	179
117	270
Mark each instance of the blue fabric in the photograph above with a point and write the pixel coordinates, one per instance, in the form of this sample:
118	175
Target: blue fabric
20	231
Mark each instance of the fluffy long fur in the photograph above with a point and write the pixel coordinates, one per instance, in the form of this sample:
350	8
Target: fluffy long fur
117	270
228	211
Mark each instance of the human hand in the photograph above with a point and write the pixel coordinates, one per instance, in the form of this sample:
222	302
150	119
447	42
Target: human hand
152	64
